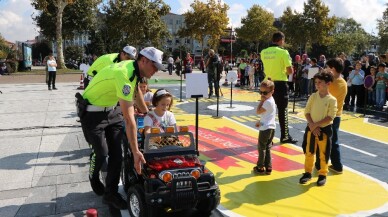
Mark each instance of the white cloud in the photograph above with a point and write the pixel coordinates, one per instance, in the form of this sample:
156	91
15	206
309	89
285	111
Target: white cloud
235	13
184	6
15	20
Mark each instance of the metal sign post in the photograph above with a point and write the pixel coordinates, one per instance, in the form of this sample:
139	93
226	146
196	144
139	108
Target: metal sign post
232	77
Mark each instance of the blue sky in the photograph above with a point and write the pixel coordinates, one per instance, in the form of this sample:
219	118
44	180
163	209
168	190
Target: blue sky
16	22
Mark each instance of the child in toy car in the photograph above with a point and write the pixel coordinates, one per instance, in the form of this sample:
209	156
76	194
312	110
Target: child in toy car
161	120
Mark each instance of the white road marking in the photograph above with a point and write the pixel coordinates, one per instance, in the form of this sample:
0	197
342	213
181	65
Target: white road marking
359	150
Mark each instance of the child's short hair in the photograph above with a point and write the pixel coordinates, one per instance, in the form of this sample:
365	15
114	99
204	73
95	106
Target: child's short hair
161	94
268	84
324	76
336	63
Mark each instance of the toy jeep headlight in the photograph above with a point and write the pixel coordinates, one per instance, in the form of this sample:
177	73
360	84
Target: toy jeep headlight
195	173
166	176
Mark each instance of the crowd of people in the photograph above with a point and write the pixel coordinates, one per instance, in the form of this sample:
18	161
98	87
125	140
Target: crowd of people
375	97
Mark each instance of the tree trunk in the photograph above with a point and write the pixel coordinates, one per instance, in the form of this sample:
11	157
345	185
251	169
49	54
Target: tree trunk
61	4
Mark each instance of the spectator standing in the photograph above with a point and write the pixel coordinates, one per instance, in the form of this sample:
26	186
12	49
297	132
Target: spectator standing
241	71
3	69
322	61
277	65
313	64
178	66
211	67
305	83
46	66
372	90
357	79
320	111
267	126
147	93
202	65
381	78
170	66
52	70
188	64
84	67
338	88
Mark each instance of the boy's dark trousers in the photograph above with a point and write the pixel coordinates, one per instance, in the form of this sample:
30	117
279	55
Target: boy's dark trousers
51	79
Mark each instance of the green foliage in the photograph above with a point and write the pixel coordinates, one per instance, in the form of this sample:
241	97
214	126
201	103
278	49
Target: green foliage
293	28
74	52
40	50
257	25
349	37
205	19
312	26
98	42
382	25
77	17
134	22
4	48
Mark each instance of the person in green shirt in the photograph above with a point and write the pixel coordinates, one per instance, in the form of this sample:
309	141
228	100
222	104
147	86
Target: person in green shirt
278	66
128	53
102	122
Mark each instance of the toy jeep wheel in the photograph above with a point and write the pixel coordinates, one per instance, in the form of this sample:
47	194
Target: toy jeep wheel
137	206
207	205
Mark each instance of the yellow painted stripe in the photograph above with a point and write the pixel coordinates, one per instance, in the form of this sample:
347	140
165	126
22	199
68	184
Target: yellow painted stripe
248	118
238	119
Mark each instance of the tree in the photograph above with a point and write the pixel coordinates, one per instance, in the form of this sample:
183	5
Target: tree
293	27
74	52
205	20
135	22
382	25
310	27
4	48
56	14
256	26
40	50
348	36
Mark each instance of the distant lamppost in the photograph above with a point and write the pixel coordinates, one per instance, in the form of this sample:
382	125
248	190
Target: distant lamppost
232	34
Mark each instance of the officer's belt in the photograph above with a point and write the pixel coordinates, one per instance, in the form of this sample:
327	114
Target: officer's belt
93	108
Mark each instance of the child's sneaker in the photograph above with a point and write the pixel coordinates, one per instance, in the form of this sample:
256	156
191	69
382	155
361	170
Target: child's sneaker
305	178
268	170
257	170
321	180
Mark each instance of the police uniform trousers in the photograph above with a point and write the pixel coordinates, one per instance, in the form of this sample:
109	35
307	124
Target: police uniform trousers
280	96
104	130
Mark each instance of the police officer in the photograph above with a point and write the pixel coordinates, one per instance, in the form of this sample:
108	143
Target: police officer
277	66
103	121
128	53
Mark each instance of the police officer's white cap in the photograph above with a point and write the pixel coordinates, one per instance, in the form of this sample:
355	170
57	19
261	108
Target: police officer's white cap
131	51
154	55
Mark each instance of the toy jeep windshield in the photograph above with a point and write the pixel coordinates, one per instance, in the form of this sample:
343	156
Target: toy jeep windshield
173	179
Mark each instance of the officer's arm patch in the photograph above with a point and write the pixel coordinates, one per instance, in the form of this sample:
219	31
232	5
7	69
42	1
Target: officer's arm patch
126	90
